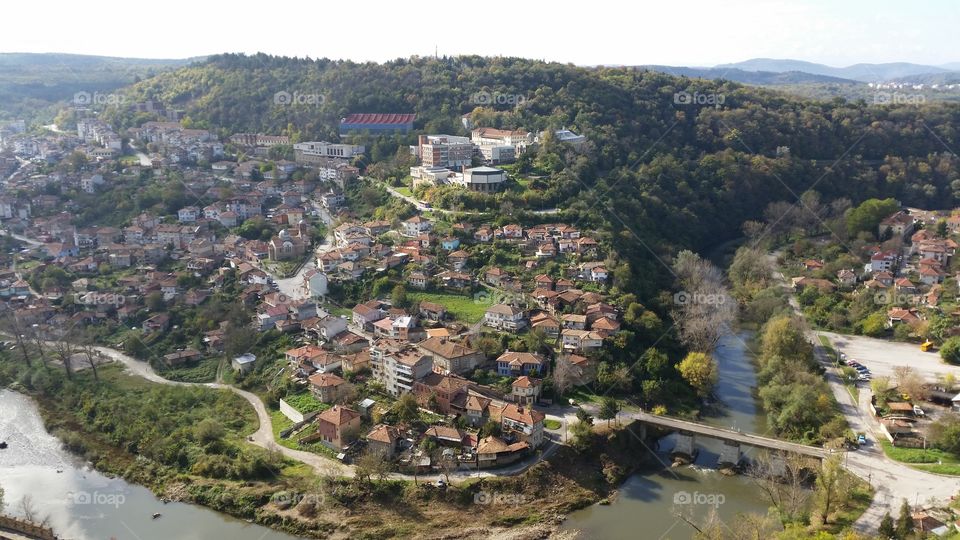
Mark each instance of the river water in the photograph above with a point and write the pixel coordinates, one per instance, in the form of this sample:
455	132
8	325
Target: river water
659	503
83	504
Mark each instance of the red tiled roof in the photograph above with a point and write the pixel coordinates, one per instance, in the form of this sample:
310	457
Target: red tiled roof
378	118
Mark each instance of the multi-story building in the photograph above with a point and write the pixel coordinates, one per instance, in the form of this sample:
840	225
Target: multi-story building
397	365
444	151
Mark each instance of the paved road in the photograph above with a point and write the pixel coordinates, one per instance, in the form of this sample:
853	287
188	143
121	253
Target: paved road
892	481
421	206
882	356
263	437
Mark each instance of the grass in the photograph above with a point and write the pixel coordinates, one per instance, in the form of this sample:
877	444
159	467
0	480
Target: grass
550	423
583	395
306	402
405	191
931	459
281	422
203	371
463	308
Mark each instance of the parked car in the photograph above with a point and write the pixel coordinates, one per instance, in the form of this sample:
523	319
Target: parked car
918	411
861	439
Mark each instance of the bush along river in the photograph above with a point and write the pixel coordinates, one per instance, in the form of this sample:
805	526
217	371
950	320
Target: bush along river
662	502
83	504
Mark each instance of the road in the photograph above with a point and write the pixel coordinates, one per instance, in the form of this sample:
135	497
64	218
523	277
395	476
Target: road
892	481
882	356
263	437
24	239
423	207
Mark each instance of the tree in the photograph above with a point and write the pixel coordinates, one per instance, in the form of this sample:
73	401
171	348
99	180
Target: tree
564	375
700	372
875	325
582	433
399	295
886	529
950	350
832	488
703	309
904	521
407	409
867	216
784	487
784	337
609	408
945	433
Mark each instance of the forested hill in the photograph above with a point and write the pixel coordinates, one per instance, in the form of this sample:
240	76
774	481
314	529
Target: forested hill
657	168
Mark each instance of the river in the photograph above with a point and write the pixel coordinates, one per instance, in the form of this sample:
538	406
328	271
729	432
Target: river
83	504
650	503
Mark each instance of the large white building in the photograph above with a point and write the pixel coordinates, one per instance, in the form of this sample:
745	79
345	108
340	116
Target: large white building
484	179
320	151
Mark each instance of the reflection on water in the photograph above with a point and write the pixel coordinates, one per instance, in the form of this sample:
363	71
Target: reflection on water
657	503
84	504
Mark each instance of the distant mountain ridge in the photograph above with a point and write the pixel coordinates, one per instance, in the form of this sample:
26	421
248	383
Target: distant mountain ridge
858	72
766	78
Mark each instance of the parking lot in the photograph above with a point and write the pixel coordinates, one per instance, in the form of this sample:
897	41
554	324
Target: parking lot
882	356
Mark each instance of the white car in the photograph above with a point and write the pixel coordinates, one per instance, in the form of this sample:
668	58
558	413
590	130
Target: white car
917	411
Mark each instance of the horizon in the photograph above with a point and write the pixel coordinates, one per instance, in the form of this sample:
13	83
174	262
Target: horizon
942	65
818	32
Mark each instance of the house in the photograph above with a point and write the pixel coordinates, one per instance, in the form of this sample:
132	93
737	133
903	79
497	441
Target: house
574	321
483	179
432	312
364	315
338	426
495	452
418	280
327	387
526	391
580	340
584	370
514	364
243	363
382	440
157	323
546	323
523	422
181	357
505	317
444	394
900	315
495	276
812	264
847	278
458	259
883	261
900	224
450	356
884	278
801	283
905	286
416	226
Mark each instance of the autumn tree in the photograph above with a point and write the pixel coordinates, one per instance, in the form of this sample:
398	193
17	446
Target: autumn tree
700	372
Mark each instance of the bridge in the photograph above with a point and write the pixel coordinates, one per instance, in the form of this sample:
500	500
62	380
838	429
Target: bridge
730	455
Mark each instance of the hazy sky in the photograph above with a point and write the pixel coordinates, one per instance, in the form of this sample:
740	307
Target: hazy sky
685	32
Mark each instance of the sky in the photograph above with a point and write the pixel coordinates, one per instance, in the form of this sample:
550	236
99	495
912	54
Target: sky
624	32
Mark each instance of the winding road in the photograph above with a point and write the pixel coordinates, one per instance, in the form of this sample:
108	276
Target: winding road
263	437
892	481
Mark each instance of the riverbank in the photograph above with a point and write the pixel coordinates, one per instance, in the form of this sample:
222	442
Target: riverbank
296	498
